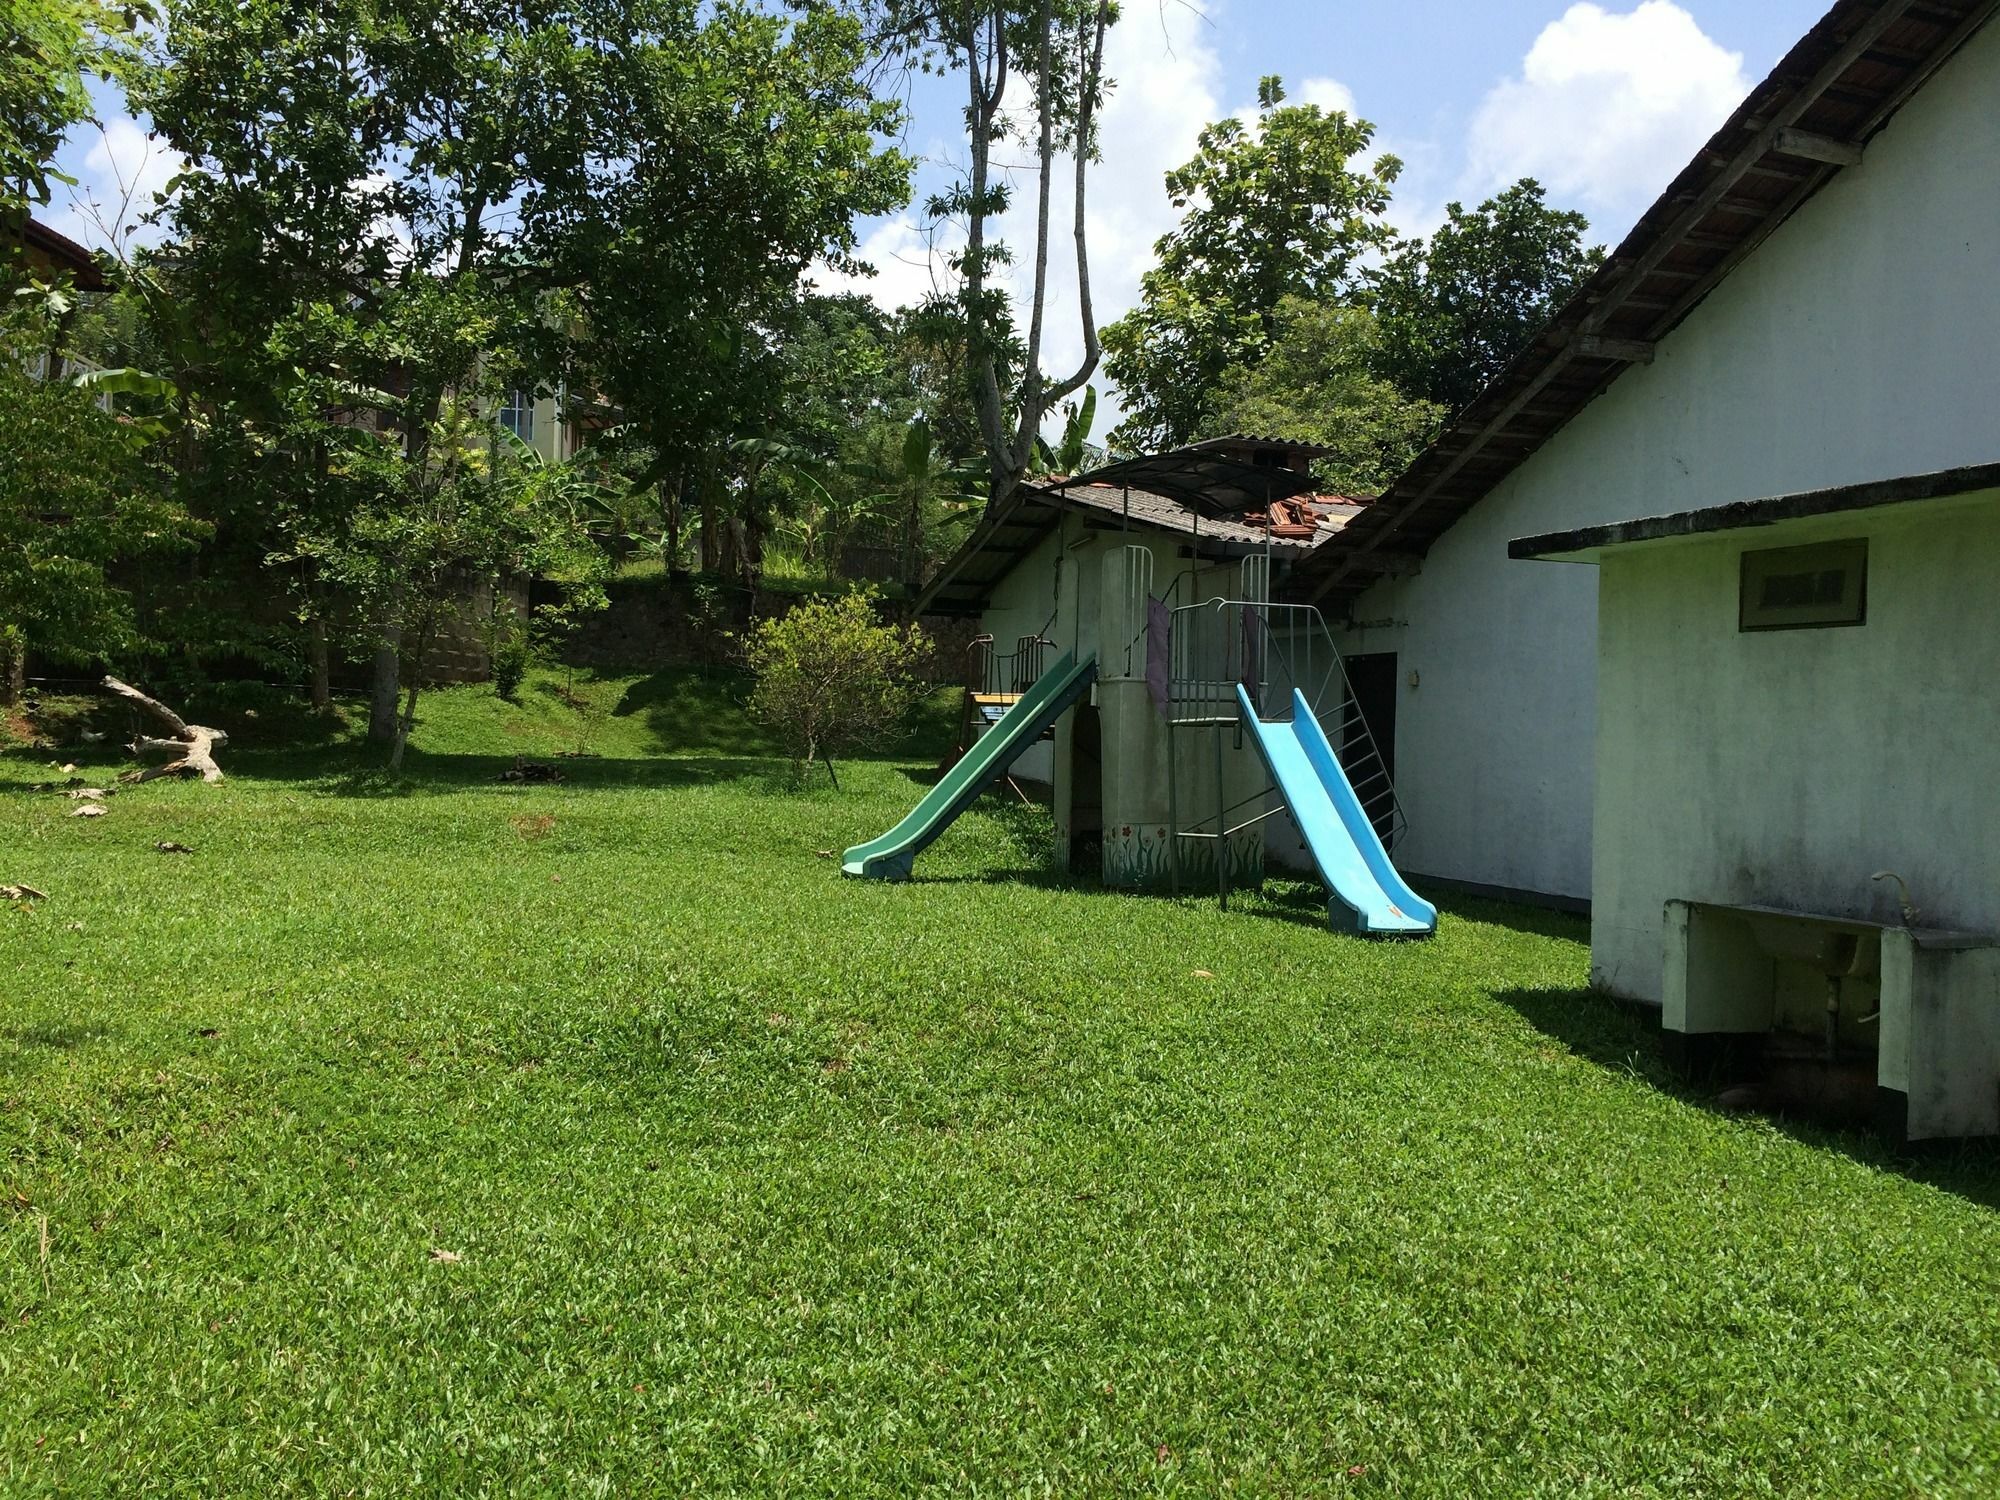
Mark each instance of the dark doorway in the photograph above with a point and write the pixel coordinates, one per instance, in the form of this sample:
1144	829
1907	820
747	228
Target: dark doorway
1372	769
1086	792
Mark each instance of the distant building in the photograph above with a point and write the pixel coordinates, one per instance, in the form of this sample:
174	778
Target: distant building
48	253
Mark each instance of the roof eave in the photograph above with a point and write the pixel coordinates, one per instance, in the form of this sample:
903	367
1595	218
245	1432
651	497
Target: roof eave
1588	544
1684	246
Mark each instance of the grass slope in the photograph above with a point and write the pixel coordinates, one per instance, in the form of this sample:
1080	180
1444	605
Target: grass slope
399	1141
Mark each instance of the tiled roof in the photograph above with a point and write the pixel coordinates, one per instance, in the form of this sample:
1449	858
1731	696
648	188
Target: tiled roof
1012	530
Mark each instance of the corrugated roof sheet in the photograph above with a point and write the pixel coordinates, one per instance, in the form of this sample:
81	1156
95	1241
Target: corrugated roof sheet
1009	532
1214	483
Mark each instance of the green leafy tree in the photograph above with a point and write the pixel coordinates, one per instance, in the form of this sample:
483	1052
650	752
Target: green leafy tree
48	49
832	677
432	202
834	375
426	535
730	161
1456	310
349	161
1073	450
82	512
1269	210
987	41
1317	382
873	438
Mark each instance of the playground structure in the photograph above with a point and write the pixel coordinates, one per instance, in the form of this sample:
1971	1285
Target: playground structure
994	683
1178	731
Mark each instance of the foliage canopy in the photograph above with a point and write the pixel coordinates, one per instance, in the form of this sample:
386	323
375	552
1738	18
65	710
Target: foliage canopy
1271	209
832	677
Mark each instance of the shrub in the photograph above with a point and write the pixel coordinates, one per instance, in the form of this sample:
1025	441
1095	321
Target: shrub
831	677
510	650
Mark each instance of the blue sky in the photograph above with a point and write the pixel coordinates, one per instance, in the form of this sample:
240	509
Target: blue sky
1603	101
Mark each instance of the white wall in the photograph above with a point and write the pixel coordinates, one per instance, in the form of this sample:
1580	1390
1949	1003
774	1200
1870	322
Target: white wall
1859	342
1023	602
1033	598
1783	768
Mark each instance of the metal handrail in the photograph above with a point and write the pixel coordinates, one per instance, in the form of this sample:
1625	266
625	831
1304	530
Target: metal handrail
992	672
1270	650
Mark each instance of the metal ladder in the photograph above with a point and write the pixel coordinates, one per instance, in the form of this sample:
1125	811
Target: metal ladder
1270	649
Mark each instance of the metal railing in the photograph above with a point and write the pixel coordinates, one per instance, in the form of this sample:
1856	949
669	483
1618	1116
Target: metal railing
990	671
1272	650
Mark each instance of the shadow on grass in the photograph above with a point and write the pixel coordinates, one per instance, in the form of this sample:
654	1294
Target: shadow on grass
697	709
53	1037
351	772
1625	1037
705	710
28	1051
1535	921
1285	896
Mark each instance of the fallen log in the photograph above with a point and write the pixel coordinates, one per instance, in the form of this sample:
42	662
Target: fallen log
192	745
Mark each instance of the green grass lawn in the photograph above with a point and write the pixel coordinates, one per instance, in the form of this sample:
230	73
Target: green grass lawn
448	1135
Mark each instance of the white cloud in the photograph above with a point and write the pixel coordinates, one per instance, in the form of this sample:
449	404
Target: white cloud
908	259
1606	109
1328	93
121	177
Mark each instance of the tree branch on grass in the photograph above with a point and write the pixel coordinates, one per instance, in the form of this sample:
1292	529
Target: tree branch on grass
193	745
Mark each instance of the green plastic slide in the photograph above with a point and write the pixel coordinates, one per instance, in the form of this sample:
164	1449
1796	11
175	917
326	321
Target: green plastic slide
890	856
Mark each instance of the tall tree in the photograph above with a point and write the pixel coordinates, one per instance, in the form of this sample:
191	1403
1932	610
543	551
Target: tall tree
48	48
728	166
1316	382
1057	48
1454	311
1269	210
82	510
408	202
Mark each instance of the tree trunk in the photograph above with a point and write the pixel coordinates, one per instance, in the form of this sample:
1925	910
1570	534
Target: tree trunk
711	539
913	544
419	414
318	666
1009	455
318	660
387	682
407	720
14	682
671	507
730	563
194	744
752	550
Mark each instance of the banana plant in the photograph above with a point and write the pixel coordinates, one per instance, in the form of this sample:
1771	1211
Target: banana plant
1071	454
922	479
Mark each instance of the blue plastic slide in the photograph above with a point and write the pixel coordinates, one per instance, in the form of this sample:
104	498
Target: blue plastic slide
1025	721
1365	895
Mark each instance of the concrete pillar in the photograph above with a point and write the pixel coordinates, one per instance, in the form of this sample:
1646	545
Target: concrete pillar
1138	807
1133	731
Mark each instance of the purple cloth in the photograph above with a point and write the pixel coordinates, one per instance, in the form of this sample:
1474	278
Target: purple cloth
1253	623
1159	651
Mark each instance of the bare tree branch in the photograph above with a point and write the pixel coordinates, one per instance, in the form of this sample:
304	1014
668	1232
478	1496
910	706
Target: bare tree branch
193	744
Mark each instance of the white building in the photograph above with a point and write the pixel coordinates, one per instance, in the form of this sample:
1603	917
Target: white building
1797	832
1814	302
